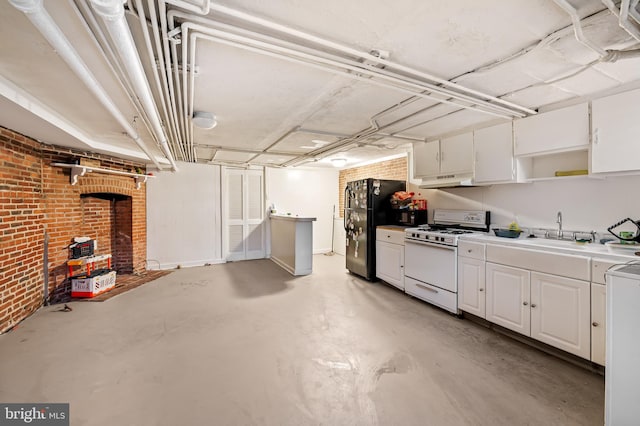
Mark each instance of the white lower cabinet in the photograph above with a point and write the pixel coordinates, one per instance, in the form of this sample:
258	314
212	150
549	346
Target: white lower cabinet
560	313
471	286
390	256
390	263
598	322
552	309
508	297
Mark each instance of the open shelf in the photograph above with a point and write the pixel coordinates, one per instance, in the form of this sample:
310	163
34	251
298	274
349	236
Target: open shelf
544	167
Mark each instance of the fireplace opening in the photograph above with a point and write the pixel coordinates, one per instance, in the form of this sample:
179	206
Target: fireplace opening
108	219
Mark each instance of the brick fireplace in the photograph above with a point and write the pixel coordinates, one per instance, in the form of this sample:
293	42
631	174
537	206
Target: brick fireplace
37	199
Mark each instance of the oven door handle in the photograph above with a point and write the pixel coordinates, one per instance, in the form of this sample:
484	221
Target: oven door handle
430	244
433	290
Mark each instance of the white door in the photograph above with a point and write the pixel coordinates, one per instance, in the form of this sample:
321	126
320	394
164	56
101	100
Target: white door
471	286
456	154
426	159
243	214
508	297
598	322
494	154
561	313
390	263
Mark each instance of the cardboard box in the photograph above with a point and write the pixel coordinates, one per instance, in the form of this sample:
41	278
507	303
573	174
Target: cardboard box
93	286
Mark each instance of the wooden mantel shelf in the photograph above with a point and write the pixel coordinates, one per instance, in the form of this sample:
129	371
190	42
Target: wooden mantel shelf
78	170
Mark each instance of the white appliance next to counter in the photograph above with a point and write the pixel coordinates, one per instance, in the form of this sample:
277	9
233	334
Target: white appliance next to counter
431	255
622	374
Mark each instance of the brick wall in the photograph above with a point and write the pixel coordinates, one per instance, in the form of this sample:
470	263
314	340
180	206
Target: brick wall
36	198
21	228
395	169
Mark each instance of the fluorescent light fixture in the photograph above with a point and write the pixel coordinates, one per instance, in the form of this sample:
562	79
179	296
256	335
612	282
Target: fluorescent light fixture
338	162
204	120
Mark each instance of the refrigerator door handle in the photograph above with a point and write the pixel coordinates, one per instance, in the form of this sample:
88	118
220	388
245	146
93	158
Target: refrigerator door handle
344	213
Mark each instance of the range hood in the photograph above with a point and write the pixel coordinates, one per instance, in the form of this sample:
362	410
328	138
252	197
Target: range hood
447	181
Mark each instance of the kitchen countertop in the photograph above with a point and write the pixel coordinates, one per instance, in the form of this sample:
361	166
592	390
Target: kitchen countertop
292	217
559	246
399	228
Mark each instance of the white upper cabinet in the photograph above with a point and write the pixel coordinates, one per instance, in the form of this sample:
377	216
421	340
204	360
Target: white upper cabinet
426	159
493	152
565	129
456	154
616	126
448	156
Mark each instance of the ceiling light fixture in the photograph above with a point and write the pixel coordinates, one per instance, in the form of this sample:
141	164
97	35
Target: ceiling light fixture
339	162
204	120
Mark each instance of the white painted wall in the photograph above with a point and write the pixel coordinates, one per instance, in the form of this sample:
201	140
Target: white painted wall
586	203
183	217
305	192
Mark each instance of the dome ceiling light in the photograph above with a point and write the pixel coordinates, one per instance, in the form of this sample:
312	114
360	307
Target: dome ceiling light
204	120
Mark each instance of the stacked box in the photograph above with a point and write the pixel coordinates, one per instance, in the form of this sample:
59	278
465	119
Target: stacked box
93	285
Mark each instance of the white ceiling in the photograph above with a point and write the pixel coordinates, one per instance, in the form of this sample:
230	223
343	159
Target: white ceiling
273	109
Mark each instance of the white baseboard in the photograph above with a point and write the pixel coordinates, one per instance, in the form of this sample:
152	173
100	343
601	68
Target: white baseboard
155	266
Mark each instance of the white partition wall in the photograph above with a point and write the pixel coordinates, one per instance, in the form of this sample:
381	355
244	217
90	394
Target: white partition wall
183	217
306	193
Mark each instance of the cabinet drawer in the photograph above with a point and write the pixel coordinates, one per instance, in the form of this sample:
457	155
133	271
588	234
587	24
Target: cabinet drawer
599	267
564	265
472	250
434	295
390	236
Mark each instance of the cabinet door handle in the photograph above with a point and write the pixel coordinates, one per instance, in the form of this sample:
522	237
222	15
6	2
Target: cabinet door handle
481	289
469	251
595	324
596	136
525	303
533	305
437	156
427	288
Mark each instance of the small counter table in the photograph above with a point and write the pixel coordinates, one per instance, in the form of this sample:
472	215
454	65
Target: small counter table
292	243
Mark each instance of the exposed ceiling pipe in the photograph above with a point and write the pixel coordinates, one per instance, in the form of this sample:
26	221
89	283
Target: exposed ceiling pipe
112	14
173	73
188	87
154	71
365	55
97	35
625	7
40	18
203	9
622	21
577	27
333	62
165	74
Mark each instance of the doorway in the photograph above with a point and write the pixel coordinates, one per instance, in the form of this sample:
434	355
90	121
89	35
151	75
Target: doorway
243	233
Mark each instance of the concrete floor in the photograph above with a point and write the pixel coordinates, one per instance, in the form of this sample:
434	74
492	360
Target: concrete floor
246	343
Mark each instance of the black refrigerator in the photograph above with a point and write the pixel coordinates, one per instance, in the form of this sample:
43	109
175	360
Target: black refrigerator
366	205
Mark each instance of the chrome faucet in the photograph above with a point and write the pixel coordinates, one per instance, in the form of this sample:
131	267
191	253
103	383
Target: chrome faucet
559	222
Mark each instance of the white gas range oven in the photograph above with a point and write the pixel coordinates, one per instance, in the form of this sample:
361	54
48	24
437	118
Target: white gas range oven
431	255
